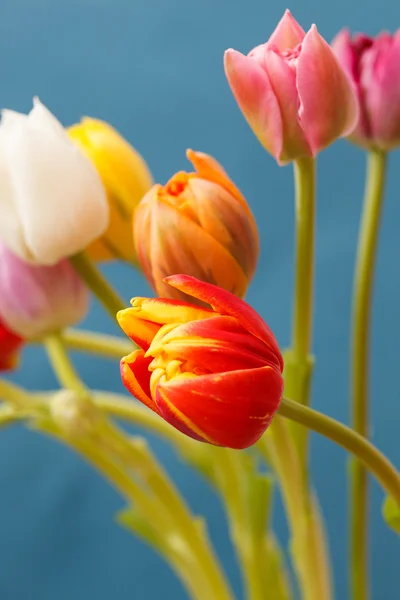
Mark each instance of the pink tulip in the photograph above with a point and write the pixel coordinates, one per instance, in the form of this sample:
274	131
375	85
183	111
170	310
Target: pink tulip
293	92
36	301
374	66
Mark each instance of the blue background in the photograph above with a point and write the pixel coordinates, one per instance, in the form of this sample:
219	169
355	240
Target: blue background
153	68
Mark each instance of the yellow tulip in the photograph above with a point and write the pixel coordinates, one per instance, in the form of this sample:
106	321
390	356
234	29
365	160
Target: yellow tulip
126	178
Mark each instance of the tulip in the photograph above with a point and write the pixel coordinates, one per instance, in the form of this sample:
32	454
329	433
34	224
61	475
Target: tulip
199	224
10	344
374	67
52	201
214	373
126	179
293	92
37	301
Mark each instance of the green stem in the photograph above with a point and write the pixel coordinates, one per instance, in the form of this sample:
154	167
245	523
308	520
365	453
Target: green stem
97	283
360	344
304	172
62	365
383	470
307	544
118	457
107	346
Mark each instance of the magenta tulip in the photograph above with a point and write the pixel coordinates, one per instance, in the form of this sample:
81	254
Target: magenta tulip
293	92
374	66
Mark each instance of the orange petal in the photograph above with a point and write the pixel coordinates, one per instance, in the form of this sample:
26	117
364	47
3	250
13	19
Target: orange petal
135	376
227	409
209	168
226	303
141	331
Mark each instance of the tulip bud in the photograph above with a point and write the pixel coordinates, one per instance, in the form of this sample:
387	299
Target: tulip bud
10	343
374	67
74	414
36	301
293	92
199	224
214	373
126	179
52	201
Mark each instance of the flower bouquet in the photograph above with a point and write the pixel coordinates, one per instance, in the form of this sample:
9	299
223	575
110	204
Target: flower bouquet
201	367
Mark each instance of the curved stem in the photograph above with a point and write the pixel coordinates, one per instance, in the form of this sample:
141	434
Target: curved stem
97	283
383	470
360	342
62	365
108	346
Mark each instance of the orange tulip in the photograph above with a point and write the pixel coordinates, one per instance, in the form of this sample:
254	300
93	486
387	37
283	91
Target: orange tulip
213	373
199	224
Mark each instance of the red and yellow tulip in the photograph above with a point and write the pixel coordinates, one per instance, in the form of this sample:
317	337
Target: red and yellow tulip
199	224
10	343
214	373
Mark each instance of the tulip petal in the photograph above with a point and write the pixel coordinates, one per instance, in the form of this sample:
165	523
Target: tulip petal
283	81
166	310
226	303
380	82
11	231
136	377
328	103
57	191
141	331
179	245
252	90
227	409
216	344
288	33
222	216
210	169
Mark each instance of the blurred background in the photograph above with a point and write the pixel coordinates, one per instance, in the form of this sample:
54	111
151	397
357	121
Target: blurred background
153	68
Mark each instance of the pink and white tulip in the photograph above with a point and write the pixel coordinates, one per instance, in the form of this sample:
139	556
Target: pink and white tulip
374	67
293	92
36	301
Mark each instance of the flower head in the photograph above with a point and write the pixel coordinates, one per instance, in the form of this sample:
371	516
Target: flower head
293	92
10	344
126	179
199	224
36	301
52	201
374	67
213	373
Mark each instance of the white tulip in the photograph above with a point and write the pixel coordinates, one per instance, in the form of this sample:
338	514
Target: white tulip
52	200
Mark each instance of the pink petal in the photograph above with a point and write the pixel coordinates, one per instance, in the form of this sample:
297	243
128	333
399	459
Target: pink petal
283	81
226	303
288	33
380	81
328	103
253	93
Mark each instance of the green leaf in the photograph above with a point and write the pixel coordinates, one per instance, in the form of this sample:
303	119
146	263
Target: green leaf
391	513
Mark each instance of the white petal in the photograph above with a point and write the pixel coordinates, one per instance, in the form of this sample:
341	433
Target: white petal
58	193
10	226
42	119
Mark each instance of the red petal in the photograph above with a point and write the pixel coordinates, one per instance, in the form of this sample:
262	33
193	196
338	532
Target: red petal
215	345
136	377
229	409
226	303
